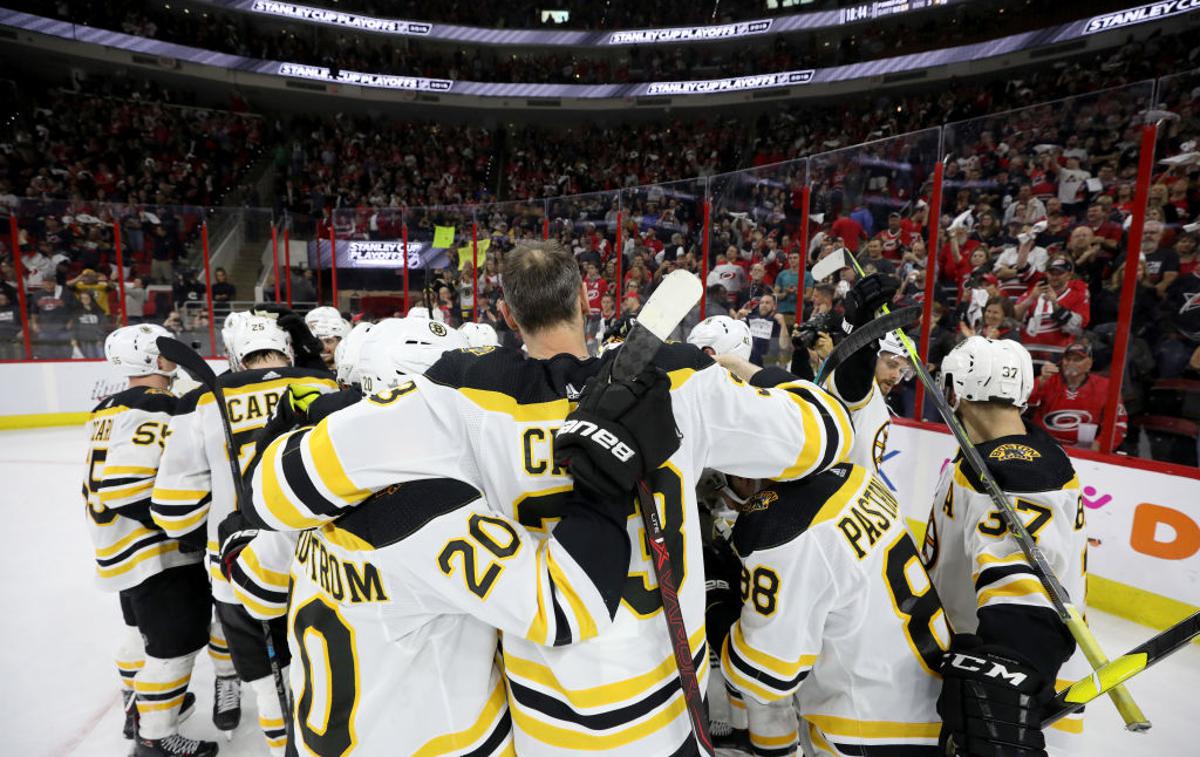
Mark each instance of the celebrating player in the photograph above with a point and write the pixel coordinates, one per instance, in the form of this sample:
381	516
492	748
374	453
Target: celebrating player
162	587
489	418
1001	614
194	491
327	325
835	604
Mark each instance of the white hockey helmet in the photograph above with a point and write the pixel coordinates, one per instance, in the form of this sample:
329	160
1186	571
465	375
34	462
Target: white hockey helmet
348	353
398	347
327	323
133	350
890	344
420	311
982	370
723	335
246	333
480	335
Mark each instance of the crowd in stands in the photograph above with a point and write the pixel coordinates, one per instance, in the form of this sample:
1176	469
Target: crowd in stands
313	44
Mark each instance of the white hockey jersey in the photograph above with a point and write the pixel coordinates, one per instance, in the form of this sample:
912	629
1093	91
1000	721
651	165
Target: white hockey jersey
395	610
975	563
194	488
871	420
488	417
837	606
126	433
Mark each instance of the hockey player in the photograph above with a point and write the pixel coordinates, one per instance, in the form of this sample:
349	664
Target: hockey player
395	606
997	607
161	584
489	418
194	491
327	325
347	355
835	605
721	335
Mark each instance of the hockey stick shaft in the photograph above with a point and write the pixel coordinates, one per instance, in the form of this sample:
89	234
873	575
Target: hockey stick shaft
192	362
1146	655
1131	713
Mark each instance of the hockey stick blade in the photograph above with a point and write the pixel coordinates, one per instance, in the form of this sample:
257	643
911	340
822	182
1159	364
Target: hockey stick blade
831	264
674	298
188	359
1146	655
868	334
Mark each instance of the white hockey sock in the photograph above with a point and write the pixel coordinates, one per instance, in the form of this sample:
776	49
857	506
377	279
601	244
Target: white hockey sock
773	727
160	686
131	656
270	716
218	651
737	709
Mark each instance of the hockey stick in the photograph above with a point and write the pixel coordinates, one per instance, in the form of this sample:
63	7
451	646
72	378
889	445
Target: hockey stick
666	308
866	335
191	361
1135	719
1155	650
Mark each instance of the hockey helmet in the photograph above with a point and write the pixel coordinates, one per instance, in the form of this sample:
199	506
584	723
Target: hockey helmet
480	335
420	311
982	370
327	323
348	354
247	333
397	347
723	335
133	350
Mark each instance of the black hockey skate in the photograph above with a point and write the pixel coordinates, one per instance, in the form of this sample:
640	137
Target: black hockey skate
174	745
227	704
131	713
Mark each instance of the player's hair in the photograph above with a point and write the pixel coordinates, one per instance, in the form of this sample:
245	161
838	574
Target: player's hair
541	285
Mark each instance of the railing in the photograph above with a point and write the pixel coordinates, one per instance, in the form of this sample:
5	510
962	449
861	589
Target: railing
907	193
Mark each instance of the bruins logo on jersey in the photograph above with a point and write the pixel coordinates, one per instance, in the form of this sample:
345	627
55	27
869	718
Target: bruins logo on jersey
879	446
1022	452
761	501
437	328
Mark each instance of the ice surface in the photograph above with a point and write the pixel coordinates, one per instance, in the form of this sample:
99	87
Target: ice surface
59	632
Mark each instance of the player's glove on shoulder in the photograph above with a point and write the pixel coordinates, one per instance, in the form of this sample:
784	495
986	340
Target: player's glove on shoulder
991	702
306	348
866	297
234	533
619	432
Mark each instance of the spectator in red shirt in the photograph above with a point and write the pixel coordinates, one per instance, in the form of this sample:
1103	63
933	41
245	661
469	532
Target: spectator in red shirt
850	232
894	238
1069	400
1108	233
1055	310
597	287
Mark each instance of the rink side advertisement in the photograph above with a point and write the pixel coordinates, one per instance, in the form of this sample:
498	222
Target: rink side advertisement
1143	526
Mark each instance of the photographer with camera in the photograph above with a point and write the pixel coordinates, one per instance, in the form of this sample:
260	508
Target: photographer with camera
768	329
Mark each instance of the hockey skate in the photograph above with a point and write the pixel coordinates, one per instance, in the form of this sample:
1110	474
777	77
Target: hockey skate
131	714
174	745
227	704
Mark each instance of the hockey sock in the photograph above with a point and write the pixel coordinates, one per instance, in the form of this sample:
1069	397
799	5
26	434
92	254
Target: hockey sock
270	717
131	656
773	727
218	651
737	709
161	685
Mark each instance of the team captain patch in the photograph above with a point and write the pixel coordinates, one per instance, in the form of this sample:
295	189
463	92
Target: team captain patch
1015	452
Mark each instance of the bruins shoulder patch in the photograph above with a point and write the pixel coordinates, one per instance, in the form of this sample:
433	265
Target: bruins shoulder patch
1022	452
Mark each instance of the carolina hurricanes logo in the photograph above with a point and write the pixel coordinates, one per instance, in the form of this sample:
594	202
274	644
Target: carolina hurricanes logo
1191	303
1066	420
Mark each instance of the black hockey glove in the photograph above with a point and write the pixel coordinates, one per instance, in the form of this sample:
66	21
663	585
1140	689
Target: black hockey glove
620	431
722	591
991	702
234	534
866	297
291	412
306	348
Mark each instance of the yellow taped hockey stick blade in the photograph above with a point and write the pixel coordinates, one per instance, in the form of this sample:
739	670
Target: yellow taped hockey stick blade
1118	671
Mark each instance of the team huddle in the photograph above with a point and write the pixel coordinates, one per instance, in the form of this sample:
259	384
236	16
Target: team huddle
434	545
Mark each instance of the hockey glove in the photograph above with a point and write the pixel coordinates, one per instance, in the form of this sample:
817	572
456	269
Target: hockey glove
234	534
991	702
291	412
306	348
866	297
619	432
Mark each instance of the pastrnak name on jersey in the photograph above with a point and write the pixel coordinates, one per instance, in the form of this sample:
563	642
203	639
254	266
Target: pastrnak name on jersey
342	580
869	517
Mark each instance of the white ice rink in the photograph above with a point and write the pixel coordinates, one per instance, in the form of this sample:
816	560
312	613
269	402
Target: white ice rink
58	633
